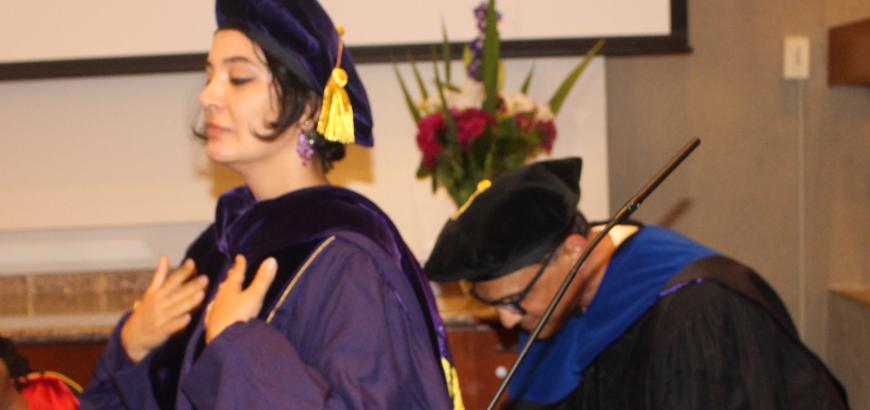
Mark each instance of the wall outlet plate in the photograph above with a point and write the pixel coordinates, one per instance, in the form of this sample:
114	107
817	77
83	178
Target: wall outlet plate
796	58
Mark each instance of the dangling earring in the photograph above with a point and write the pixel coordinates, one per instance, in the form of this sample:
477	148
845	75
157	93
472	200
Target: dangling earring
304	147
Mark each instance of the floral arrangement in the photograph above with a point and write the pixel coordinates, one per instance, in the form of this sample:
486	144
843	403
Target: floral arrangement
475	131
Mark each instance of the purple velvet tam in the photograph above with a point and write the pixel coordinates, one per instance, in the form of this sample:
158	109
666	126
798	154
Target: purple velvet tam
301	35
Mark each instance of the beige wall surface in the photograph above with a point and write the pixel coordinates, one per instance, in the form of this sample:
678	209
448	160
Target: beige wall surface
739	191
88	159
70	31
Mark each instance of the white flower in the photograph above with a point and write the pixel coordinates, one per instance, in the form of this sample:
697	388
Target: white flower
544	113
470	95
518	102
429	105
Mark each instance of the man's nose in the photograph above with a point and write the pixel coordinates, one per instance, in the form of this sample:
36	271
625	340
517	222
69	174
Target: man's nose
508	318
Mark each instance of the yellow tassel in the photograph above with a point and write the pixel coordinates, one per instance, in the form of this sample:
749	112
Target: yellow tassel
452	378
481	186
336	114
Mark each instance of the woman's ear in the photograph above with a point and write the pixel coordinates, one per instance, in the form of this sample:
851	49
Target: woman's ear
312	113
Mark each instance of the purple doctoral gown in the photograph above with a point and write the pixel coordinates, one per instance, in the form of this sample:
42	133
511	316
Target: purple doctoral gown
349	321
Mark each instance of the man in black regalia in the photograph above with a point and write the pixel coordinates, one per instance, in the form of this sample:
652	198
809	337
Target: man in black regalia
653	320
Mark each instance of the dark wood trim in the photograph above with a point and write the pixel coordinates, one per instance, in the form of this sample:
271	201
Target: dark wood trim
102	66
848	56
675	43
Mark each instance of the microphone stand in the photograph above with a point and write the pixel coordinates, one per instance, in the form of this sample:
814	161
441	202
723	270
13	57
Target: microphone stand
627	209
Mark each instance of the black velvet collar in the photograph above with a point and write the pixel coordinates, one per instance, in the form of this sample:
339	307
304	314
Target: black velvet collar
260	228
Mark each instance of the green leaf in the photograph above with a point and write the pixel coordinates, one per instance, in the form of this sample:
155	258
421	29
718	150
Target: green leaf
415	114
491	55
473	170
562	92
445	52
525	88
488	162
436	70
448	116
501	76
420	83
443	174
423	171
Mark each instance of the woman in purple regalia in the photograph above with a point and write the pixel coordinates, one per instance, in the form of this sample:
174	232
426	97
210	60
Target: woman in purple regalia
300	294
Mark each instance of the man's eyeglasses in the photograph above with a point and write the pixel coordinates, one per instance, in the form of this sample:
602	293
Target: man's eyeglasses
512	302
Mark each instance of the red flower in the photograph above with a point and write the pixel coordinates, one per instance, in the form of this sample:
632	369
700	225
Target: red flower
470	124
427	138
524	121
547	130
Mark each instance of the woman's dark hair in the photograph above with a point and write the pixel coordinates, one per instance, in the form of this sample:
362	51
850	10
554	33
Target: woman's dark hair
293	96
15	363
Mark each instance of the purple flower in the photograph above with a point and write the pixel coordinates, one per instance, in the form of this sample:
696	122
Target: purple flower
480	16
475	66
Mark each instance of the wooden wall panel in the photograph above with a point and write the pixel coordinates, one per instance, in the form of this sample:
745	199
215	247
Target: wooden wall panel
849	54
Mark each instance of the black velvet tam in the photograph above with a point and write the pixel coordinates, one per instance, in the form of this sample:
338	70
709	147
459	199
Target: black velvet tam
525	214
303	37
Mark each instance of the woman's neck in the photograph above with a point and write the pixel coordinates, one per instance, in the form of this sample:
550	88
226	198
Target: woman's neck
273	186
271	180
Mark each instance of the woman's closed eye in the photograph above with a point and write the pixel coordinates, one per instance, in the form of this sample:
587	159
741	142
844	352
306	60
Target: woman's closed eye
240	80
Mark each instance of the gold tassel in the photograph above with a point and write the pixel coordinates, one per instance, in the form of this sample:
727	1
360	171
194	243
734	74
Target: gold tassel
451	376
336	114
481	186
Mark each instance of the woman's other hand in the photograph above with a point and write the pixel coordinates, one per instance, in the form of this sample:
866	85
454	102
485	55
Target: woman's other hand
232	304
164	309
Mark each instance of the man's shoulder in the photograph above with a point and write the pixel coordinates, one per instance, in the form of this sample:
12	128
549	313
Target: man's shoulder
716	287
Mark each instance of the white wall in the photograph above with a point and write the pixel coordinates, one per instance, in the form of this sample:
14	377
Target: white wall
58	29
84	156
102	173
